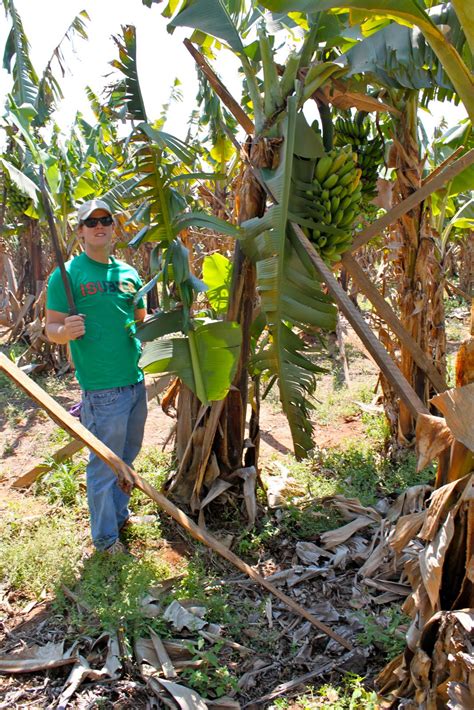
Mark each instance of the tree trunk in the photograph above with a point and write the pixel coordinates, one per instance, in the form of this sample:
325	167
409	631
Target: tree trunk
466	263
419	271
35	271
217	439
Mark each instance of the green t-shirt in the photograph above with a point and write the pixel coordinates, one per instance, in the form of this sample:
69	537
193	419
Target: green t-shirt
107	355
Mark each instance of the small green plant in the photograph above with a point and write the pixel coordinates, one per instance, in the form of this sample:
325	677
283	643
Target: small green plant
8	449
38	557
350	695
252	541
212	679
64	483
59	436
387	632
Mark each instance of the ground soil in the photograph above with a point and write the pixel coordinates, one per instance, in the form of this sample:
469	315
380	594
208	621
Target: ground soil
28	436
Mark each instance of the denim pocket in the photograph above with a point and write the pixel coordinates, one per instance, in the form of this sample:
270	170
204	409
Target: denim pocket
100	398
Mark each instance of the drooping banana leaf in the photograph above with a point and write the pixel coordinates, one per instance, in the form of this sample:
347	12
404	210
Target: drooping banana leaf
205	360
49	89
291	296
407	12
22	181
212	17
400	56
160	324
16	60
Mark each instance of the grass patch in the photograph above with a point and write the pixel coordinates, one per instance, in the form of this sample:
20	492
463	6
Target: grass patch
350	695
37	557
341	402
154	465
112	587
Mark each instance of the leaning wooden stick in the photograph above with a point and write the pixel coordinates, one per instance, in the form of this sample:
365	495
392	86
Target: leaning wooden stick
433	182
124	472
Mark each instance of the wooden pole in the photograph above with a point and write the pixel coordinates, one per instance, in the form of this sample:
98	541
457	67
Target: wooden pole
385	312
124	472
406	393
432	183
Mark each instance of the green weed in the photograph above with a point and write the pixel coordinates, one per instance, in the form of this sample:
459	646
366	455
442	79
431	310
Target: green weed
154	466
212	679
200	585
350	695
309	520
63	484
39	556
386	632
252	541
361	471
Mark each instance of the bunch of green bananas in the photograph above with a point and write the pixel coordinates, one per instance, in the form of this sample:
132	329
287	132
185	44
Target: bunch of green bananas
369	150
330	202
16	199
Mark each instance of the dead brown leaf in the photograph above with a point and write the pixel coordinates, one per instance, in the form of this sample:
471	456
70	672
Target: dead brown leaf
433	436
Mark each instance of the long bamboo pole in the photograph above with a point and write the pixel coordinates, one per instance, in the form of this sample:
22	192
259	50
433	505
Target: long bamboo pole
128	475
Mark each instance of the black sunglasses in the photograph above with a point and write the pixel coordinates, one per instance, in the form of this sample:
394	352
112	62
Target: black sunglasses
92	222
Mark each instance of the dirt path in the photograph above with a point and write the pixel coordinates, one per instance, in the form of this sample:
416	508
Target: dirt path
29	436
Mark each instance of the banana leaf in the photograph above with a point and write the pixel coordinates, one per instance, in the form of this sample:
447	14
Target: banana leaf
407	12
127	65
205	221
205	360
290	296
160	324
217	275
399	56
22	181
16	60
211	17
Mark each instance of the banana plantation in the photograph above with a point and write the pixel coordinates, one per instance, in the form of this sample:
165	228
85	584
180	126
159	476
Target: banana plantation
312	210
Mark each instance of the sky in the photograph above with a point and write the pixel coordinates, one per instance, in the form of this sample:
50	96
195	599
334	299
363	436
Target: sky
161	58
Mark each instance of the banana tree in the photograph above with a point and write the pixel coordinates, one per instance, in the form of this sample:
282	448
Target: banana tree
407	66
273	285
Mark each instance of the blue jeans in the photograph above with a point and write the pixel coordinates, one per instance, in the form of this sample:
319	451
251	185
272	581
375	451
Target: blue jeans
117	417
